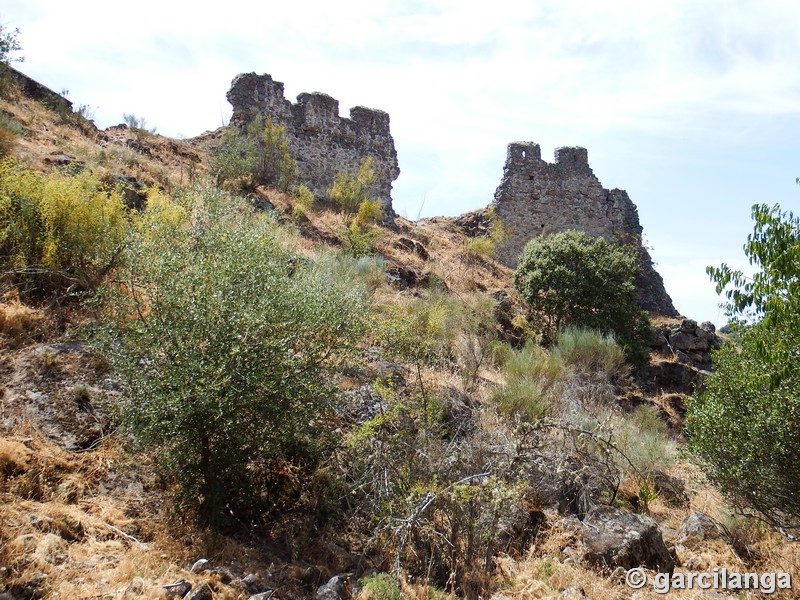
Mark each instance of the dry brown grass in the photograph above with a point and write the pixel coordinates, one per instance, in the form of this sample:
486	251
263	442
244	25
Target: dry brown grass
18	322
151	159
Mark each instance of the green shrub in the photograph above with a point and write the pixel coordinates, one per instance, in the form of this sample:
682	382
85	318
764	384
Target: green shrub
273	165
369	212
571	278
497	231
479	248
744	428
304	200
530	387
523	397
771	293
350	190
589	351
256	155
440	498
533	362
234	159
380	586
358	241
58	232
226	341
369	270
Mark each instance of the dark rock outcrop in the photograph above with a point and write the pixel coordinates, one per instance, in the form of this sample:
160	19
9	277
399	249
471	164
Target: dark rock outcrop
614	538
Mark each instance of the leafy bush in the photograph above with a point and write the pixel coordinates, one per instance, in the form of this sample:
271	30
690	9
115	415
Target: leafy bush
303	202
257	155
589	351
226	342
771	294
744	426
58	232
744	430
350	190
479	248
571	278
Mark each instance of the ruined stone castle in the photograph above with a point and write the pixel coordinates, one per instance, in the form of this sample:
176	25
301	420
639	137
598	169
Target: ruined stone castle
320	141
536	197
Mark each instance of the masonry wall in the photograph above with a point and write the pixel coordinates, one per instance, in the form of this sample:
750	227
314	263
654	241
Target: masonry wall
320	141
536	197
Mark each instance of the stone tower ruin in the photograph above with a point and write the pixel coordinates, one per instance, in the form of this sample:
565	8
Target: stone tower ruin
536	197
320	141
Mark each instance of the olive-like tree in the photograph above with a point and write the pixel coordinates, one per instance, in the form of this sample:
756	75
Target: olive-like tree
745	427
225	341
573	279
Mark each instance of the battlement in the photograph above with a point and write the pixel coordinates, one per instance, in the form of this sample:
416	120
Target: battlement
521	152
316	110
320	141
572	157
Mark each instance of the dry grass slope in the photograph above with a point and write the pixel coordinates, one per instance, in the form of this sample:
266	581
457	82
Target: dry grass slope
84	516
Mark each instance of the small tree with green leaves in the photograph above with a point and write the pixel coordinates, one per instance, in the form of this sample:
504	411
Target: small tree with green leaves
772	293
744	426
745	429
572	279
225	341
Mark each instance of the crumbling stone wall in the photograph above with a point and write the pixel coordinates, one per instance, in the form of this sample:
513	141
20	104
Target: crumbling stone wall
320	141
536	197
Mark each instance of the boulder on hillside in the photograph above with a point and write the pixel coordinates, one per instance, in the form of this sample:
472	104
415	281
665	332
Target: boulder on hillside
696	528
614	538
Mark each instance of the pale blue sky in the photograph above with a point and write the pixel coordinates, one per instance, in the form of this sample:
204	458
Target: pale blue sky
692	106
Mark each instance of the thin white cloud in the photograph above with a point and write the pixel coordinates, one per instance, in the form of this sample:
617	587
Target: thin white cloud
460	79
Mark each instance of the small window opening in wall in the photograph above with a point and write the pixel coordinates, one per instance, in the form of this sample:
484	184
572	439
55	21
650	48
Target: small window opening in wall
523	153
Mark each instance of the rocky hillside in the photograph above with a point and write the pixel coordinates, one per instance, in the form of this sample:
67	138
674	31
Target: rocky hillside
457	462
